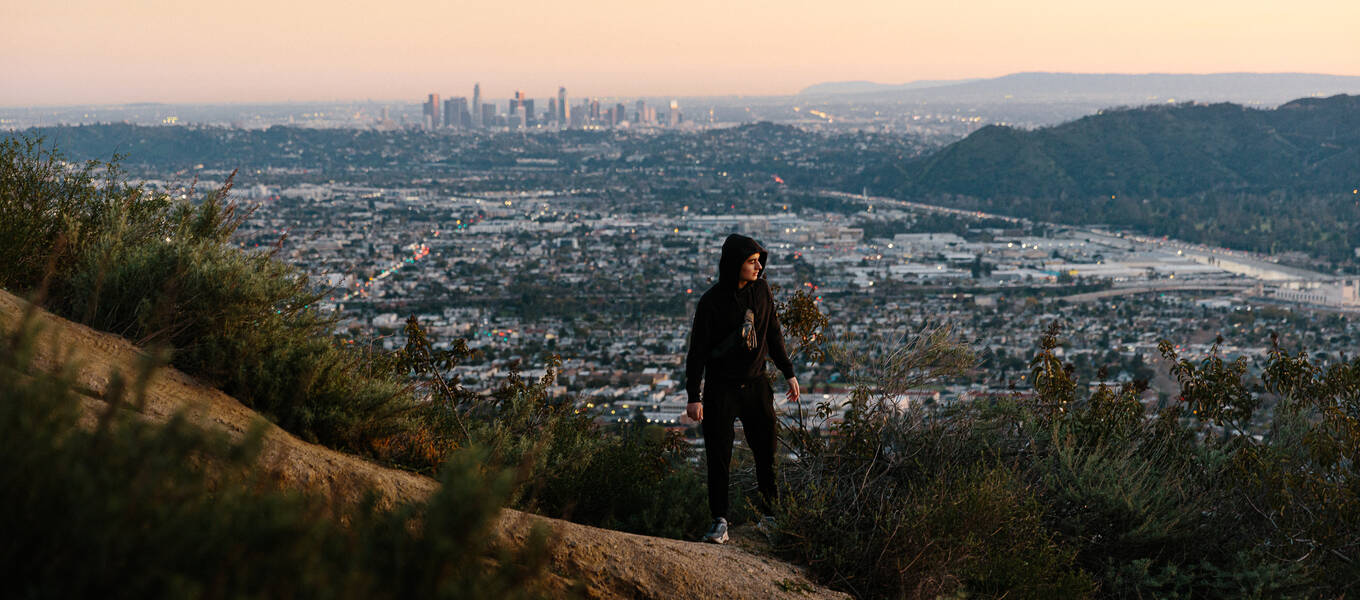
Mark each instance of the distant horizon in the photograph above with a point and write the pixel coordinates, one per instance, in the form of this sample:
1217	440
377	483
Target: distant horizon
550	94
94	52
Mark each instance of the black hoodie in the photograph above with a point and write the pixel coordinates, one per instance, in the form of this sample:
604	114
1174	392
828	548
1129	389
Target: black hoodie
716	344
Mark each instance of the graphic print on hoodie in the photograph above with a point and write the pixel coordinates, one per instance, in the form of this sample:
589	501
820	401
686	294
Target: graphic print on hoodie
735	329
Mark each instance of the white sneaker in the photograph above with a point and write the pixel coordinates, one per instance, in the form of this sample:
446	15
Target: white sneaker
767	525
717	534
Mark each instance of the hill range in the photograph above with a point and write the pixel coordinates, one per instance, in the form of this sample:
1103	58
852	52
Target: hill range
1104	89
1223	174
1310	144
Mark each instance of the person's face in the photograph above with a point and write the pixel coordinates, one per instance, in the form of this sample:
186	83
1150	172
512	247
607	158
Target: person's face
750	269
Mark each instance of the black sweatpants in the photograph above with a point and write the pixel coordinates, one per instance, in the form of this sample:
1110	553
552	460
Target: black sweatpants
752	401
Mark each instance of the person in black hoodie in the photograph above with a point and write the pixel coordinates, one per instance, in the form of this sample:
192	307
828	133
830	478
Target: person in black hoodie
735	329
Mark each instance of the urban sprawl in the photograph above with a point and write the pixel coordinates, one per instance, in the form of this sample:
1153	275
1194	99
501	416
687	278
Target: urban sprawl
610	286
596	245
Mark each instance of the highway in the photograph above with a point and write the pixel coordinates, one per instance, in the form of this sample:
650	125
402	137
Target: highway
1159	287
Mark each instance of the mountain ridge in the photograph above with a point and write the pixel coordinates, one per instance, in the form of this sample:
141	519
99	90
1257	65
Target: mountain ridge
864	86
1220	174
1158	150
1083	93
1113	89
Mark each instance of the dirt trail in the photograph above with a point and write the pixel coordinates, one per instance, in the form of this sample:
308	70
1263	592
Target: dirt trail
609	564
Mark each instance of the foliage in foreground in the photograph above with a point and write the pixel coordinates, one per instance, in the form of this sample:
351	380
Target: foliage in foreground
632	477
163	272
127	509
1064	494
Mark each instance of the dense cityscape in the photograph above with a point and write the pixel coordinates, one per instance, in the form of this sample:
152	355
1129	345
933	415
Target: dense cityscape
607	278
589	228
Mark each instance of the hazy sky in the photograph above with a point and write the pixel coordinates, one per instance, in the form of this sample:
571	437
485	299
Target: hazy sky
114	51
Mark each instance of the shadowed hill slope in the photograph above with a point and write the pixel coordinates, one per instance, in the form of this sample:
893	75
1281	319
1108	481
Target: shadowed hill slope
608	564
1311	144
1219	174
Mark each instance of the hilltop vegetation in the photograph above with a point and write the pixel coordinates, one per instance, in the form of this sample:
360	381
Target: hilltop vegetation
1241	487
101	502
157	486
162	272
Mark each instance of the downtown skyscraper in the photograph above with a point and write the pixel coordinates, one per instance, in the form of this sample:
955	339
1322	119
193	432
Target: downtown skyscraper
477	121
431	112
563	112
456	114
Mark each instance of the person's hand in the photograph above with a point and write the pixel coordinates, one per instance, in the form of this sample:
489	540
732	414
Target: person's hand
695	411
793	393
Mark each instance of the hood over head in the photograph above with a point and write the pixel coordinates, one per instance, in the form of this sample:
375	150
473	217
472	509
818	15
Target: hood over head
735	250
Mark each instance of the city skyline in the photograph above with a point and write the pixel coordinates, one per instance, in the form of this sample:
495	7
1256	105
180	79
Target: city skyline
454	112
150	51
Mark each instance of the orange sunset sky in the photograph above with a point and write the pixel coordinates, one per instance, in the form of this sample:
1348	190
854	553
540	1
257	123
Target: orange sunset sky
111	51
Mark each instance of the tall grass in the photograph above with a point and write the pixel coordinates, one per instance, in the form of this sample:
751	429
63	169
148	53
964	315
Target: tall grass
129	509
1068	494
163	272
632	477
889	503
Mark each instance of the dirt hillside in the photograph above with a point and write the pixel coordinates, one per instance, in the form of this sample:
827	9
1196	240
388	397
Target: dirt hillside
609	564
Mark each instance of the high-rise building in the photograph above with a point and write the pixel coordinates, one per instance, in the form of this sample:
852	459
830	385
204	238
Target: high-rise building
456	113
594	110
673	118
431	112
552	110
620	113
488	115
563	113
578	116
477	120
530	118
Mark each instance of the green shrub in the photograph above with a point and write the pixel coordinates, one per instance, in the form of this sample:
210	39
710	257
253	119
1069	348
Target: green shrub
163	272
49	209
127	509
1067	494
634	477
1190	502
928	512
893	504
